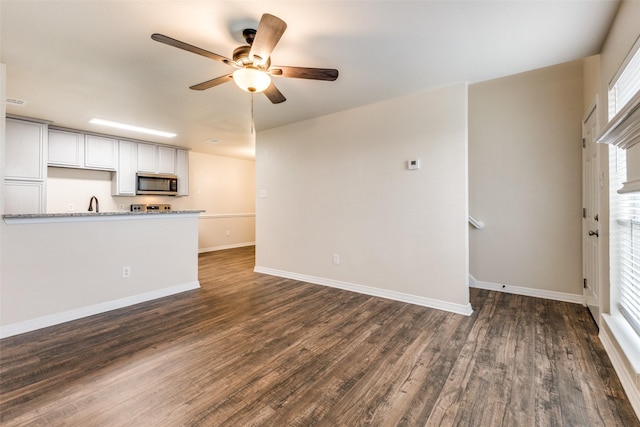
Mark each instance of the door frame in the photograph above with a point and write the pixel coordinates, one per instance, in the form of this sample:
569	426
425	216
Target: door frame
591	272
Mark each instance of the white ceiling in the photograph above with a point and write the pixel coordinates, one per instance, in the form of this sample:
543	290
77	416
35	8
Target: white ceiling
73	60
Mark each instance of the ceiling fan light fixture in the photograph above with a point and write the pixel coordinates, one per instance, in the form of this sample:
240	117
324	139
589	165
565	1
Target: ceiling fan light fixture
251	79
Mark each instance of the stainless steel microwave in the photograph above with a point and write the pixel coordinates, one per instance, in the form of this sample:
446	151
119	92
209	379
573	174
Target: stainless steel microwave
166	185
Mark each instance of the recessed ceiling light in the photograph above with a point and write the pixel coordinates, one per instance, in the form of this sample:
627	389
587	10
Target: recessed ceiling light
134	128
211	141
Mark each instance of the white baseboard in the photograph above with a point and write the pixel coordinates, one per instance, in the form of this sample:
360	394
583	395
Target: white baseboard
530	292
66	316
223	247
377	292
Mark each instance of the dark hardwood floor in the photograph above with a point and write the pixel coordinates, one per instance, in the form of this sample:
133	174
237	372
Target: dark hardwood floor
250	349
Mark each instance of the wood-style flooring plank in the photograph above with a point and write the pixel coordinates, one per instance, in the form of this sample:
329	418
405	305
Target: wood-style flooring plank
255	350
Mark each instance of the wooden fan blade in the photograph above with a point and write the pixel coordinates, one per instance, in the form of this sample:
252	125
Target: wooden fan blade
328	74
268	34
185	46
213	82
274	95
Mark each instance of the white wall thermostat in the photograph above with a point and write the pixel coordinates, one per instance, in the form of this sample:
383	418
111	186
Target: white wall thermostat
413	164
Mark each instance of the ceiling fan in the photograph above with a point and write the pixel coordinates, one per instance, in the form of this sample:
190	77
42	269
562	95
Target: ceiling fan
253	61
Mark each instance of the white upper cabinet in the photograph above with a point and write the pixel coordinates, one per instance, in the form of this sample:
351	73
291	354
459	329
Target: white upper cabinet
156	159
146	158
166	160
100	152
66	148
24	197
25	150
124	180
25	167
77	150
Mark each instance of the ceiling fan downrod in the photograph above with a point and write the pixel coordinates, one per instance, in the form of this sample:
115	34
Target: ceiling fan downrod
249	35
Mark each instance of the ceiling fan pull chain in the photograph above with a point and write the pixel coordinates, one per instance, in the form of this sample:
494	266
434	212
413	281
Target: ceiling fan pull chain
252	120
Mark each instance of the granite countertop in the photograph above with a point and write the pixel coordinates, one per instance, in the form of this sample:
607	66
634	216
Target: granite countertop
53	217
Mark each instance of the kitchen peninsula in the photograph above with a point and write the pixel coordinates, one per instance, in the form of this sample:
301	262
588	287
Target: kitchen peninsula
60	267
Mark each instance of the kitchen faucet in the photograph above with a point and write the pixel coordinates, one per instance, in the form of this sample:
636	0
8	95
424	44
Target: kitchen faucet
91	204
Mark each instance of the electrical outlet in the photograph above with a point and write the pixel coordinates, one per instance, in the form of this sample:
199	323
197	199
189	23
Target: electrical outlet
70	207
126	272
336	259
228	233
121	207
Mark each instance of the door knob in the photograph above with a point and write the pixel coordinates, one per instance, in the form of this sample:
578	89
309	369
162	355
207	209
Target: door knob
593	233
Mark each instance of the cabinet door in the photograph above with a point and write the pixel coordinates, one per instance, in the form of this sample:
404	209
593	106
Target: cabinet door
124	180
166	160
25	150
182	171
100	152
66	149
146	158
23	197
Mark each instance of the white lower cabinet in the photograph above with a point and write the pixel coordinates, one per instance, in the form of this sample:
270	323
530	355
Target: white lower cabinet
124	179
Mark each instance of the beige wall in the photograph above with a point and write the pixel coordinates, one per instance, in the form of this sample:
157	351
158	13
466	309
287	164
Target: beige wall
224	187
525	179
339	184
49	269
591	82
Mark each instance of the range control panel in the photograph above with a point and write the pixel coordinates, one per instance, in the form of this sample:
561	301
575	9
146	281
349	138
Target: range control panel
150	208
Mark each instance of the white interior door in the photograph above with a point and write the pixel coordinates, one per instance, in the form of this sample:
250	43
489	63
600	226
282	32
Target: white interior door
590	216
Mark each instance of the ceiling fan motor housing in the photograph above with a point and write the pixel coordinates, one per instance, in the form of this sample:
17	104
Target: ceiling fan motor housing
241	57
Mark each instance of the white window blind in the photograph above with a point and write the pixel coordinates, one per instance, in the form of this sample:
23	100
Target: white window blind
625	240
626	83
625	208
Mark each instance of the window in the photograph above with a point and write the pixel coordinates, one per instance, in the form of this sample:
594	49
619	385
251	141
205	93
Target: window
625	240
624	208
626	82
